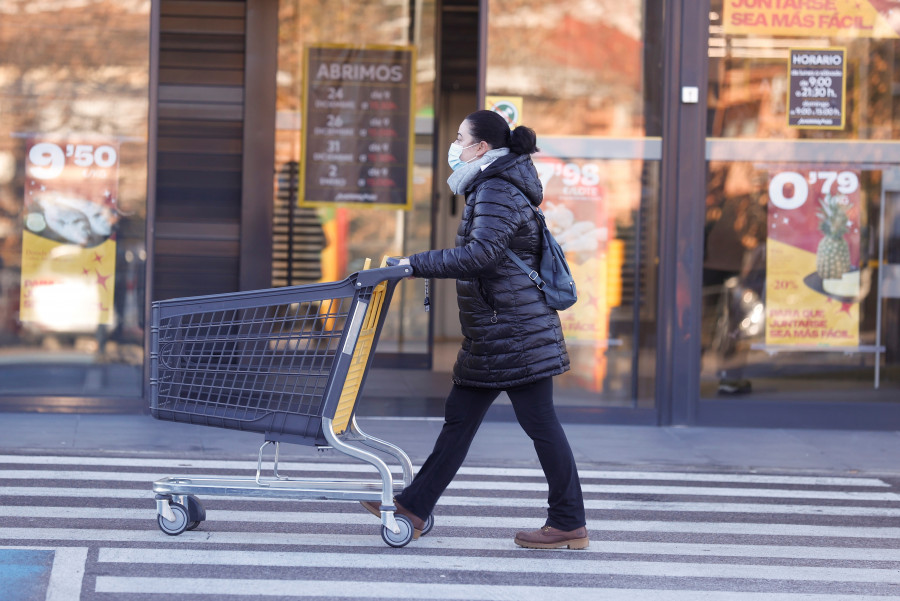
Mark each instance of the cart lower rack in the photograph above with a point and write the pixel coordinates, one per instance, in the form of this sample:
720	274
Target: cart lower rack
289	363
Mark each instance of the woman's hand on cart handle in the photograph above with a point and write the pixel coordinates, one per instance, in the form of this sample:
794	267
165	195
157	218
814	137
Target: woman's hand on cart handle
395	261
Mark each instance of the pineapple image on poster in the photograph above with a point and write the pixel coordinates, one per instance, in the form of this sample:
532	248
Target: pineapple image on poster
813	258
833	266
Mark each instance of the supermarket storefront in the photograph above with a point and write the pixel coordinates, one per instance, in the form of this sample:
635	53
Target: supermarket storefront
724	177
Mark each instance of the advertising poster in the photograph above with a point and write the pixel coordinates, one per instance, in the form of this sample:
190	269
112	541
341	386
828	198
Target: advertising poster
576	212
68	239
817	88
825	18
358	126
509	107
812	258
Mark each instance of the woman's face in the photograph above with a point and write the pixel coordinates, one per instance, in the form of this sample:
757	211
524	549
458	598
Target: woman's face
475	148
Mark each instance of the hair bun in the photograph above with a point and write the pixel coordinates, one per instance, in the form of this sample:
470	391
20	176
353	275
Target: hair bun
523	140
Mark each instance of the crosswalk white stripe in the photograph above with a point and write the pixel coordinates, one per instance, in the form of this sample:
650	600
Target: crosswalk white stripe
674	507
467	521
37	475
451	501
52	491
505	565
432	541
704	491
413	590
326	466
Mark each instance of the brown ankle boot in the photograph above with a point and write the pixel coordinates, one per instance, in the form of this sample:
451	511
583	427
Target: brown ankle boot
553	538
374	507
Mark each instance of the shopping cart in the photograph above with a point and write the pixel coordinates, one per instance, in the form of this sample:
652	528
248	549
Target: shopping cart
289	363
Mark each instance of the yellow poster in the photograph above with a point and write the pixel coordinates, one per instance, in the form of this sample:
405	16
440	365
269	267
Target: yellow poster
508	107
813	259
68	242
816	18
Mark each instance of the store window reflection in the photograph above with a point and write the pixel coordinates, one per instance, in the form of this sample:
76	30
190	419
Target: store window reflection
312	243
73	155
802	168
586	77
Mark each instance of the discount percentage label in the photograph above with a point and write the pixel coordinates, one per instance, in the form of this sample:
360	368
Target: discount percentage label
785	285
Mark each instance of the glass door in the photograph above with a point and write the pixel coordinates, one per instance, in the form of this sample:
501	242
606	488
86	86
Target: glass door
586	77
800	294
357	144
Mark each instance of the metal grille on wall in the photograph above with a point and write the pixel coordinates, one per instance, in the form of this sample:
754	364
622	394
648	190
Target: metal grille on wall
297	234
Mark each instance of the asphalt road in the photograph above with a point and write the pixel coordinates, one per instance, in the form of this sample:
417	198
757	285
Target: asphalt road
80	525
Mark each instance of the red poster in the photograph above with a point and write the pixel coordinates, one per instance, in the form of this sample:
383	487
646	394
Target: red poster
813	258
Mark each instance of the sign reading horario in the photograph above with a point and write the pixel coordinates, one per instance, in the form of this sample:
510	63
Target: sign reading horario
358	126
817	89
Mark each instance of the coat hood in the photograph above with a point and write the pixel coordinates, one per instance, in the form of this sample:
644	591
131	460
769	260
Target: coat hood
517	169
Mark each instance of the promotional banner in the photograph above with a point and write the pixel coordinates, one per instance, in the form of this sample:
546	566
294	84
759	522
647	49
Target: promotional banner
812	258
68	240
812	18
576	210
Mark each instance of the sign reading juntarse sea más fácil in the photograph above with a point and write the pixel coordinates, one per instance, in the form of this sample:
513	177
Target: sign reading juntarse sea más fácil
357	126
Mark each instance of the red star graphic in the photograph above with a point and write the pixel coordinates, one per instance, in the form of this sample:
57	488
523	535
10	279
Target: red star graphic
845	308
101	279
98	258
85	270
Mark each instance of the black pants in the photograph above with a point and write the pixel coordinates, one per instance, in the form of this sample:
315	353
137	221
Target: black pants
463	413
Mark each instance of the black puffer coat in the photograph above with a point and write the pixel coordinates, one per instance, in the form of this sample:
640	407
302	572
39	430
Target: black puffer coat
512	337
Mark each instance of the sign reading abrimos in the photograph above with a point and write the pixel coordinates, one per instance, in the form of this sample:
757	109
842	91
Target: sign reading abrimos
358	125
817	88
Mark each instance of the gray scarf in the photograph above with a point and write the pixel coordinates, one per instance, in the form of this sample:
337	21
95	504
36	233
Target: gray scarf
460	179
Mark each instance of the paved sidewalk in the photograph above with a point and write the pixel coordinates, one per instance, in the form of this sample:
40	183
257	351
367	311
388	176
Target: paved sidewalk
830	451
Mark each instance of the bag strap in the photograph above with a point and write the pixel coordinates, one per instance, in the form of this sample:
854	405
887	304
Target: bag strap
532	274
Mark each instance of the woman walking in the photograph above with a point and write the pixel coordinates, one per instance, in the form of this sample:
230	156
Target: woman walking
513	341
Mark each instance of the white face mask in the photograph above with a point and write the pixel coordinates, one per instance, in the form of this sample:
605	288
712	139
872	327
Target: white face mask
453	155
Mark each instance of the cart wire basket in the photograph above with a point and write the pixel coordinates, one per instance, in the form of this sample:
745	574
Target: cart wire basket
289	363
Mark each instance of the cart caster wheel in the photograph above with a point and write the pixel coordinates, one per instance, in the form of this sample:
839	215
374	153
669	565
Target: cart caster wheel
196	512
429	524
179	525
402	539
